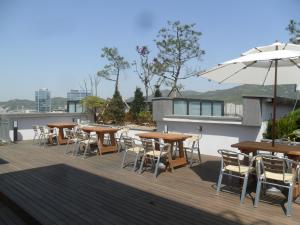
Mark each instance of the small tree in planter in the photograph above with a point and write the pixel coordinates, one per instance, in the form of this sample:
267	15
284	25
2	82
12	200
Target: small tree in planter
116	108
93	104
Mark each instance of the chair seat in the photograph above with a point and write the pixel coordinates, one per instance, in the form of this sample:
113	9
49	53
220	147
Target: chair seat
91	141
156	153
279	176
243	169
136	149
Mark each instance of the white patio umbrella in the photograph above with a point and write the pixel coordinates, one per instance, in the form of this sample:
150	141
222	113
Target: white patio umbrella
278	63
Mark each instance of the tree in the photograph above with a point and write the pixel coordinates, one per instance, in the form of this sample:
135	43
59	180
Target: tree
138	104
93	104
144	68
116	108
178	44
157	92
117	63
294	31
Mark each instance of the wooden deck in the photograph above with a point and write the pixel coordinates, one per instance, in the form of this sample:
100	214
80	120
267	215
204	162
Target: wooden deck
52	188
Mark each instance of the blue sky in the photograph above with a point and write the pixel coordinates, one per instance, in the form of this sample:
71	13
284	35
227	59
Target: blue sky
56	44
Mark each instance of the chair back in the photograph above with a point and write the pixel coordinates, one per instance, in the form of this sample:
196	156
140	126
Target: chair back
128	142
35	128
193	142
278	167
232	158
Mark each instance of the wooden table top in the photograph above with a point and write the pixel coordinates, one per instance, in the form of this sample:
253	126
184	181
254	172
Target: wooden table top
164	136
100	129
250	146
61	125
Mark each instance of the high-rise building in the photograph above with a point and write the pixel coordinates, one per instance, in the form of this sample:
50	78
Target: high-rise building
43	100
74	97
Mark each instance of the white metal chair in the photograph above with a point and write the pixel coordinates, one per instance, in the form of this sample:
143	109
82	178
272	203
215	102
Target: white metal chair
72	139
36	137
131	148
192	145
279	172
155	155
238	165
84	141
46	134
119	138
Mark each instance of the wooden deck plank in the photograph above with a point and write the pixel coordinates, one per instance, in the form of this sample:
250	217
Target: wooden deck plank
60	189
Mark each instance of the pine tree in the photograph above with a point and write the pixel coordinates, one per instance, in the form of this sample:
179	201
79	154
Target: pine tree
138	104
116	108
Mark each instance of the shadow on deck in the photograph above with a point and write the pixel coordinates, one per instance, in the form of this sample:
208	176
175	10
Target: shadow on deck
61	194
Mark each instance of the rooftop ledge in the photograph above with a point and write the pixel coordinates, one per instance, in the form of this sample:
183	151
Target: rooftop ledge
204	119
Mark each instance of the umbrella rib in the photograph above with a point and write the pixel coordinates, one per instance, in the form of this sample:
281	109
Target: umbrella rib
258	49
285	46
296	64
245	67
268	72
219	67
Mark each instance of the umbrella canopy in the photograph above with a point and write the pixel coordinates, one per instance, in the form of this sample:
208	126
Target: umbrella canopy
278	63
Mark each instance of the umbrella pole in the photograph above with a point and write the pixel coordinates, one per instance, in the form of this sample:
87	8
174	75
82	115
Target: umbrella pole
274	105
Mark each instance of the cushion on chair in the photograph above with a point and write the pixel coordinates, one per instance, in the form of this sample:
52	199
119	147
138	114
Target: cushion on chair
156	153
244	169
279	176
135	149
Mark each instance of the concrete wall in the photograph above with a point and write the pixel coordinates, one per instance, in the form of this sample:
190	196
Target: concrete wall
161	107
26	120
252	111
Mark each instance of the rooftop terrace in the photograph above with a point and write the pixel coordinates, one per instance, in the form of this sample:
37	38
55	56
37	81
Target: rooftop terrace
43	186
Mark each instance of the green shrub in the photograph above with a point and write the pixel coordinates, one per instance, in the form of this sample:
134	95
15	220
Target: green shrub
145	117
116	109
284	127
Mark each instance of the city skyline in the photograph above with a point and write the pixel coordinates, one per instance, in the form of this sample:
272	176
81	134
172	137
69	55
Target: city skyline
57	45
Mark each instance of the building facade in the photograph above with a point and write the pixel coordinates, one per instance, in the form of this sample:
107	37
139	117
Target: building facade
73	100
43	100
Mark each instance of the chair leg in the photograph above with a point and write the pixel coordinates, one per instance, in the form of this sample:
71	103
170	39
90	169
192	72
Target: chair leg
124	157
244	189
142	164
156	167
199	155
87	147
289	203
135	161
258	189
220	181
191	157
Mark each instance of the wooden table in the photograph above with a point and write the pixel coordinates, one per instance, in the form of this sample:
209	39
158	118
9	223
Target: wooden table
293	152
104	148
170	138
61	138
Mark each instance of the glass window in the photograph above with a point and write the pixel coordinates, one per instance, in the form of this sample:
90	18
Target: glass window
217	109
206	109
79	108
180	107
71	107
194	108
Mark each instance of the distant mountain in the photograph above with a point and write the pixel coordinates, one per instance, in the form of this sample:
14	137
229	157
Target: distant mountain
58	103
235	94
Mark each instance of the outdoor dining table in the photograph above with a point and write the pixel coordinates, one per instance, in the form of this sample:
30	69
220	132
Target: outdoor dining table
293	152
170	138
101	131
61	139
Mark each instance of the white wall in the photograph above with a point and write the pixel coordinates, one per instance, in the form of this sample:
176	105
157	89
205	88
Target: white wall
214	136
26	121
